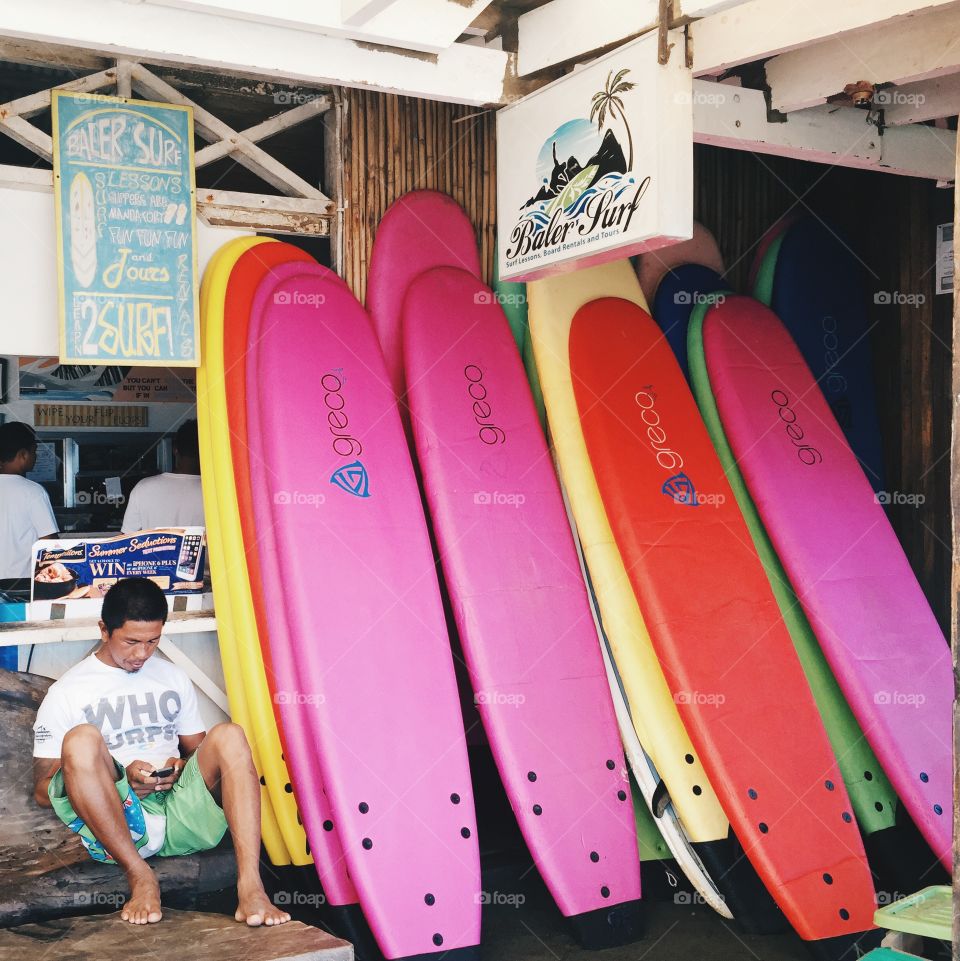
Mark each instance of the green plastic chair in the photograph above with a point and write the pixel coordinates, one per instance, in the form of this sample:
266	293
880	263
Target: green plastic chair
928	913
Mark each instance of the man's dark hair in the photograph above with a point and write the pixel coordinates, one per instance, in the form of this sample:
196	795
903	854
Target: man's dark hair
133	599
15	437
185	441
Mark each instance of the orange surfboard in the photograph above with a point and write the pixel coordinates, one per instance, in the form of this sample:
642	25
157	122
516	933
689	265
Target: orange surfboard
715	624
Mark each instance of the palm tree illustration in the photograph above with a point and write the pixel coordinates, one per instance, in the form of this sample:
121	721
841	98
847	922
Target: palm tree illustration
608	100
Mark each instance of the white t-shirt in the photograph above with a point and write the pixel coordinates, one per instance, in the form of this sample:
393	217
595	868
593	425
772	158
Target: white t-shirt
25	516
167	500
139	714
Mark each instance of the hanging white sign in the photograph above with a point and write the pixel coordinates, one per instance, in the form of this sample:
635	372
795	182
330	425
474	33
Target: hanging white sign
597	165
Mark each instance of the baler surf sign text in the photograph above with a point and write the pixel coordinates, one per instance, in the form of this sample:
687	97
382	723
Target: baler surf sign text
602	212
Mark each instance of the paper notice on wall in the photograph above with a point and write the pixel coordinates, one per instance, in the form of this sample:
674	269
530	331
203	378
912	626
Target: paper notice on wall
45	468
114	490
945	259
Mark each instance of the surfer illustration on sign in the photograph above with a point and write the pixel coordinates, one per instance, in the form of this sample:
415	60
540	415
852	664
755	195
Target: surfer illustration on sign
574	199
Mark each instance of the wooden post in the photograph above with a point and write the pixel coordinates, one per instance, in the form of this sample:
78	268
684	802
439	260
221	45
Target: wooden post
333	176
955	530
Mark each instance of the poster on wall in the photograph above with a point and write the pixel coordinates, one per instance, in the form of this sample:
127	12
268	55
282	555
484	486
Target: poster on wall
126	231
597	165
46	377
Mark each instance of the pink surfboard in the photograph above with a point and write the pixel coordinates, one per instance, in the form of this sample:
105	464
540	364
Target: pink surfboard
241	329
520	604
357	581
700	249
423	229
841	554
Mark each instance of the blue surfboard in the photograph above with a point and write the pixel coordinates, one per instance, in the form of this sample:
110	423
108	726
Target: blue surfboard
819	293
679	291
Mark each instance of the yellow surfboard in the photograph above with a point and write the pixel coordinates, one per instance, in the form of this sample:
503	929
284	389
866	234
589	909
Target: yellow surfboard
243	669
552	305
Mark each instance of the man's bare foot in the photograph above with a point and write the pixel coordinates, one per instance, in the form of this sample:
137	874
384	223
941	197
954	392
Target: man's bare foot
255	907
143	907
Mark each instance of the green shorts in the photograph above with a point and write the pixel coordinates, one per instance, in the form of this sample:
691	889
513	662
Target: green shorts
187	816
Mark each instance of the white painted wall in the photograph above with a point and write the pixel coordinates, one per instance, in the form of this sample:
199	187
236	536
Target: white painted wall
28	270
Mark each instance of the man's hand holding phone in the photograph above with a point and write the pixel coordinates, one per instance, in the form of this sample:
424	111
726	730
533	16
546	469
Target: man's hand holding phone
145	779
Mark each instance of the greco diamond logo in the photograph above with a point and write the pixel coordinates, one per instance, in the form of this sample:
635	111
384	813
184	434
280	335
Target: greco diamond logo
681	489
353	479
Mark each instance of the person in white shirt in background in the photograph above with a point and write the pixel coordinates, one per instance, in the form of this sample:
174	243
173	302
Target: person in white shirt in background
170	499
25	511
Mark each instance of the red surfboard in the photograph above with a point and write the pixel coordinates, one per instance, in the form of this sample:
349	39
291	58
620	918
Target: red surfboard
714	622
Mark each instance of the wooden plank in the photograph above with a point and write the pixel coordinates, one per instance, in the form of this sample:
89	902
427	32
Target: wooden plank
565	29
173	36
759	28
213	937
25	134
919	48
917	102
36	103
736	117
218	208
429	26
88	629
315	105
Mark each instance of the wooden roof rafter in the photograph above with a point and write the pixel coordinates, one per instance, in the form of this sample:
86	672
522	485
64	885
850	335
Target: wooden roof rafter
301	208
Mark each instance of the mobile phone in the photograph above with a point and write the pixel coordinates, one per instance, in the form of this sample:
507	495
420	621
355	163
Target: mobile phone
163	772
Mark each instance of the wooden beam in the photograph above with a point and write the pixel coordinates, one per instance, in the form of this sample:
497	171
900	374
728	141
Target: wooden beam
736	117
217	208
358	12
167	35
760	28
564	29
917	102
260	212
315	105
427	26
919	48
333	121
211	127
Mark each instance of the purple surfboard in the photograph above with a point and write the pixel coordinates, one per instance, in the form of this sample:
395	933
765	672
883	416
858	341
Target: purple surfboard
518	597
358	585
841	554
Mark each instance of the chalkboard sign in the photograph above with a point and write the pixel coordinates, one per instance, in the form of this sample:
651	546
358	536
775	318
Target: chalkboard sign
126	231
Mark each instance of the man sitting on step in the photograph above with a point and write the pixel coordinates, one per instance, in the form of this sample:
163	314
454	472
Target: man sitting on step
121	755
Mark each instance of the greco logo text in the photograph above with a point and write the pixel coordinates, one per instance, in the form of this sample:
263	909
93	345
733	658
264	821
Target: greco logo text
488	432
808	454
344	443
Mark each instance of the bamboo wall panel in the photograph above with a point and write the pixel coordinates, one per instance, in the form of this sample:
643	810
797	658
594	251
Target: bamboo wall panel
395	144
